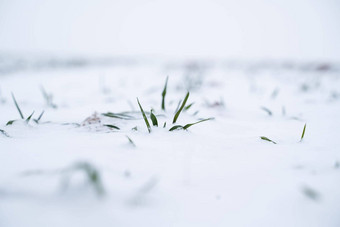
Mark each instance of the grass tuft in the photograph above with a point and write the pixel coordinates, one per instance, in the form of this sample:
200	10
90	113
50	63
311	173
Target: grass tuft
144	116
181	108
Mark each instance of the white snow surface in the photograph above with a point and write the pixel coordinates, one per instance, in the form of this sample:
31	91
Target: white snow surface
217	173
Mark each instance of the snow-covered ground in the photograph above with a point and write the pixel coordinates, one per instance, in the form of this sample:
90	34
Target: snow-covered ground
71	170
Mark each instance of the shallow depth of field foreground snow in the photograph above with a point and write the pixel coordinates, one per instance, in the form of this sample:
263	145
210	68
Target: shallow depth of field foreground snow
72	170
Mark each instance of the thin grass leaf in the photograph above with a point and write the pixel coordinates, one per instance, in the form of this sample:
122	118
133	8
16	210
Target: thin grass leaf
17	106
176	127
112	126
131	141
29	118
164	93
178	105
194	114
185	127
10	122
164	125
3	132
40	116
153	119
123	116
266	139
303	132
188	106
144	116
268	111
203	120
48	98
181	108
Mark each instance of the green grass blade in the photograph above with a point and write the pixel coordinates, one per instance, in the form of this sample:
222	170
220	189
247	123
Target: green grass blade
268	111
131	141
164	125
176	127
303	132
112	126
10	122
267	139
123	116
189	125
181	108
144	116
153	119
17	106
164	93
188	106
29	118
40	116
3	132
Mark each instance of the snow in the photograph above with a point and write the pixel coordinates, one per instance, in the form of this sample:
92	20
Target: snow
218	173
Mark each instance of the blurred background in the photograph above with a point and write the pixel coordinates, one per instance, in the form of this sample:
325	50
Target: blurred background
302	30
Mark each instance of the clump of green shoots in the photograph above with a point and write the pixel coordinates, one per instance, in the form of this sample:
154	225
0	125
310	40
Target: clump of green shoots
181	108
267	139
27	120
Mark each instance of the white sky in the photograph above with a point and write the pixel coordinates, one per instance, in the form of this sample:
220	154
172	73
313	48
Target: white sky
248	29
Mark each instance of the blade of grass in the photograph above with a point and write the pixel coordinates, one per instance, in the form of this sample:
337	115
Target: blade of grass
40	116
266	139
268	111
185	127
178	105
303	132
29	118
164	93
153	119
144	116
203	120
181	108
3	132
10	122
123	116
17	106
112	126
131	141
188	106
176	127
